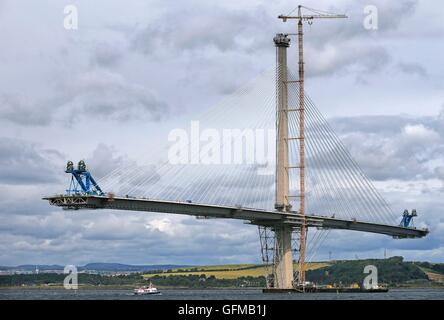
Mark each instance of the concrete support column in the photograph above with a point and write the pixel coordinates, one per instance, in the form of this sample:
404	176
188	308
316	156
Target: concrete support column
284	263
282	42
283	271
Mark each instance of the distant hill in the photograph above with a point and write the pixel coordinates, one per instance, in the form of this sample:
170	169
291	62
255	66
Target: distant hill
32	267
97	266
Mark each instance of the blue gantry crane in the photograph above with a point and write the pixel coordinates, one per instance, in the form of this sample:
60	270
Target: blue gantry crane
82	182
407	218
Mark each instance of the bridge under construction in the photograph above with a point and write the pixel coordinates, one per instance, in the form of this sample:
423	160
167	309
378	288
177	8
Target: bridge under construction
316	183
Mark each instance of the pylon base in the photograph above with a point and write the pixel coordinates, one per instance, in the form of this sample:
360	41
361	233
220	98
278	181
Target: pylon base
325	290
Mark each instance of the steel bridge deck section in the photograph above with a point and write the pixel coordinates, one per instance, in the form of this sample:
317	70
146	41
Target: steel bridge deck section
250	215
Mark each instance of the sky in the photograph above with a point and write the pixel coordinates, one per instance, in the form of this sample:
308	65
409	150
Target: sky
111	90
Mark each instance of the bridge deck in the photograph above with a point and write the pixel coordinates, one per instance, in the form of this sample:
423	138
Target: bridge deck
253	216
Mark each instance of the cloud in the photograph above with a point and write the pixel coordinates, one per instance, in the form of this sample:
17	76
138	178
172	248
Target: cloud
413	69
48	226
106	54
127	236
348	58
105	159
199	30
398	147
22	162
107	95
207	38
21	109
96	93
439	172
196	49
418	133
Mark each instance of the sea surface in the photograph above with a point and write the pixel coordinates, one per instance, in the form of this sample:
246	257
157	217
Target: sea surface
226	294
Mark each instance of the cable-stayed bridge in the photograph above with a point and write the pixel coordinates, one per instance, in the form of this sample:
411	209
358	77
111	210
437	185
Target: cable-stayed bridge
269	158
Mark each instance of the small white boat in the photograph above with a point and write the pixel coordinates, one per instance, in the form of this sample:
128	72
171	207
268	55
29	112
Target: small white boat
146	290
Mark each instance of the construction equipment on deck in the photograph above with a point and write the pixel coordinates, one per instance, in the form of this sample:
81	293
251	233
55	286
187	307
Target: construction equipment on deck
82	182
407	218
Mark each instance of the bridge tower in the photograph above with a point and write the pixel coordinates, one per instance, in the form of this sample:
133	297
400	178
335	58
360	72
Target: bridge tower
282	158
283	259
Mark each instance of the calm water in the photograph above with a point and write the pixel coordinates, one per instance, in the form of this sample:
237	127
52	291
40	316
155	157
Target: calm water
45	294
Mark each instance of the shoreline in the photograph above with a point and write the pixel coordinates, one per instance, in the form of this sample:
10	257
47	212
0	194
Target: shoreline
125	288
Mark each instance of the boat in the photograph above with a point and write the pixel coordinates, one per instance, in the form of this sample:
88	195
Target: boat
150	289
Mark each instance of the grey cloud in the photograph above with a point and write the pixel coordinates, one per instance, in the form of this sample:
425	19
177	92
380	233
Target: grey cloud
23	163
94	93
104	160
211	44
413	68
21	109
49	226
345	46
398	147
252	27
107	54
109	95
390	17
383	124
209	27
439	172
132	237
348	57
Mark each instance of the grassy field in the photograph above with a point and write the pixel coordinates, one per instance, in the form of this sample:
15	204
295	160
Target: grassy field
229	271
433	276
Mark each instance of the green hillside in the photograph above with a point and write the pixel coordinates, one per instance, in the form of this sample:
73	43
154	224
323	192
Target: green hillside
233	271
393	271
